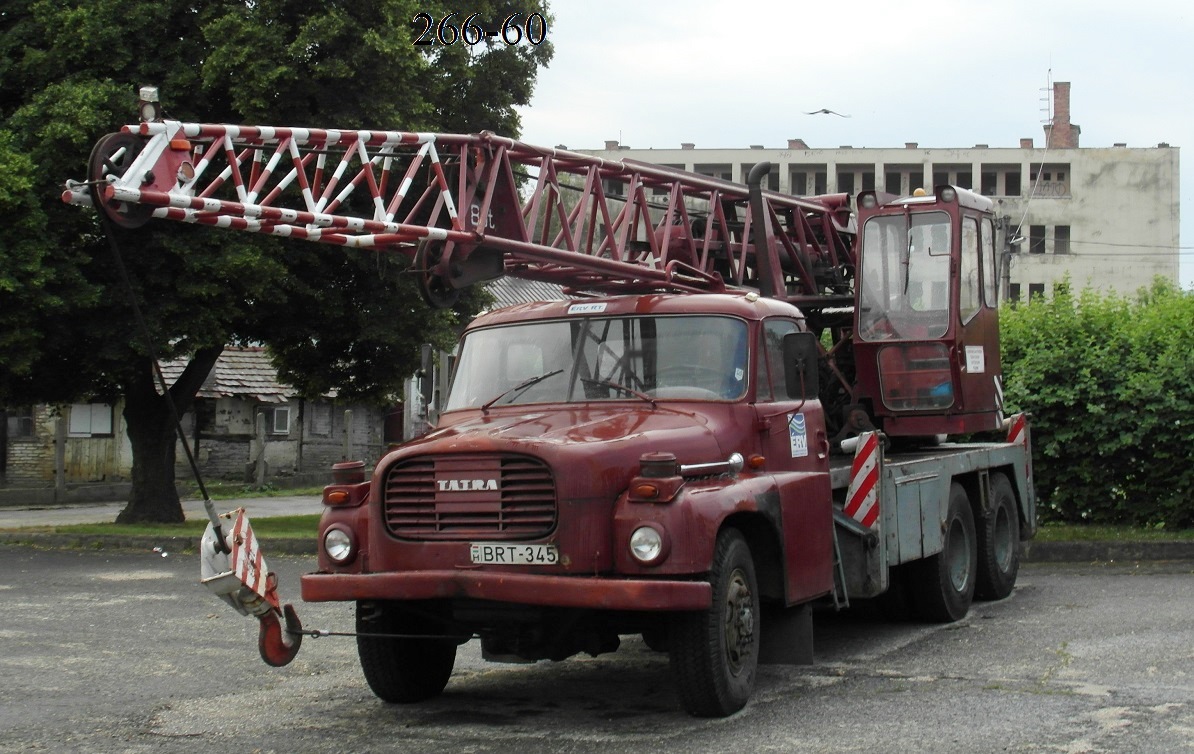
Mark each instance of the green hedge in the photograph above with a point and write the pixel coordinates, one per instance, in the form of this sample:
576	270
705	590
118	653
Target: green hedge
1109	382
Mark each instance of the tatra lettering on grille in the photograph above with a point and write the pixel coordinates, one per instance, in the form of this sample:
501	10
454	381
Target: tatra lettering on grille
466	485
450	498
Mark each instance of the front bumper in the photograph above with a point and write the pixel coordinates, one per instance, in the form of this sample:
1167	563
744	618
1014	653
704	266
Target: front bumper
518	588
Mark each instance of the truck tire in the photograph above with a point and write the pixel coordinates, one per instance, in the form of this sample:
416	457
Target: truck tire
998	543
400	670
714	654
942	586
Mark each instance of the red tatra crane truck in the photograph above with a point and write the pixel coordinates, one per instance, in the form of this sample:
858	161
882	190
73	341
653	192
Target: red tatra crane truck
743	410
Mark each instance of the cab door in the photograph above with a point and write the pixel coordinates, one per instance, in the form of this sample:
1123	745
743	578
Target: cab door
977	340
796	448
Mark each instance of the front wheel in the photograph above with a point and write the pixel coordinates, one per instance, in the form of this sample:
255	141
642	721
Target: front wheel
942	585
715	653
400	669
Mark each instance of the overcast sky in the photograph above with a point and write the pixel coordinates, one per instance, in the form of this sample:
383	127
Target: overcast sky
944	74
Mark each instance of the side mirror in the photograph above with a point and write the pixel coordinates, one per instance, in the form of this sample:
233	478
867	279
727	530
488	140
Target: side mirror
801	373
426	373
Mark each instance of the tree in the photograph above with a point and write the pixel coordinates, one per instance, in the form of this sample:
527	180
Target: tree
343	320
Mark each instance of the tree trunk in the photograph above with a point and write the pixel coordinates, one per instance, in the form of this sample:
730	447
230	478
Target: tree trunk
152	436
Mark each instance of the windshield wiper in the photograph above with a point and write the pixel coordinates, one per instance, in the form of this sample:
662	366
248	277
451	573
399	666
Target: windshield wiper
519	388
623	388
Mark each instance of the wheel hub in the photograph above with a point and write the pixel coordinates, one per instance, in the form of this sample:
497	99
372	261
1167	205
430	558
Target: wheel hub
739	621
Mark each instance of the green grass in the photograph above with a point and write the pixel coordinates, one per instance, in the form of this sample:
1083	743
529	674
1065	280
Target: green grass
1053	532
269	527
234	490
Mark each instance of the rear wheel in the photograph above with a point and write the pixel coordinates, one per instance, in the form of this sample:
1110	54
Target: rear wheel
715	653
942	586
402	670
999	543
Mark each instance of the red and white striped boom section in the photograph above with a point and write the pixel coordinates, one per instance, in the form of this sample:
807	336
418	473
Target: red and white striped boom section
469	208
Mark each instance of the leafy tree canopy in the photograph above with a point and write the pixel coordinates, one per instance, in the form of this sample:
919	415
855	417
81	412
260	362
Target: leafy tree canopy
69	73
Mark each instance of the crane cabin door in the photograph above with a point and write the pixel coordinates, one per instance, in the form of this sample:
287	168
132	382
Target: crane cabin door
926	324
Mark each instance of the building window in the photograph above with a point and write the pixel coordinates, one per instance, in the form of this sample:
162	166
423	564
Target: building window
868	181
90	420
1011	183
799	184
893	183
721	172
1052	181
845	182
320	419
19	422
1013	292
277	420
1061	239
820	183
1035	291
772	182
989	184
1036	239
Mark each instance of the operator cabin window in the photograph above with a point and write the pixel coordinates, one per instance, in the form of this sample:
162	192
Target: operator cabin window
969	296
90	420
990	264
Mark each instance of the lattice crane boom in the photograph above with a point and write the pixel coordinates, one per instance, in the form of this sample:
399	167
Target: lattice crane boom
471	207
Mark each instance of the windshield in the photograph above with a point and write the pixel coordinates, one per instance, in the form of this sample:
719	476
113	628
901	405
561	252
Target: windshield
905	276
597	359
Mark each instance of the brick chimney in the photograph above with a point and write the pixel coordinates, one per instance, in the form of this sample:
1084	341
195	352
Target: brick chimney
1061	134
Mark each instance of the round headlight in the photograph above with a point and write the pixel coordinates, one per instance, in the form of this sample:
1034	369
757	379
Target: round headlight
337	543
646	544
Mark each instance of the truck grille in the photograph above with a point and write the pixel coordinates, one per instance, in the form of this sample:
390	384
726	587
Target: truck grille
449	498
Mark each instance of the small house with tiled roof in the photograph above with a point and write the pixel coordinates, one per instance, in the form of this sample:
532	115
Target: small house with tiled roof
244	422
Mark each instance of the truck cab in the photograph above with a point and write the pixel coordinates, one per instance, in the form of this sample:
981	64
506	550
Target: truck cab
589	460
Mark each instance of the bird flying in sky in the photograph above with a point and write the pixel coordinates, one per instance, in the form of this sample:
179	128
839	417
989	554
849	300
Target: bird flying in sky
827	111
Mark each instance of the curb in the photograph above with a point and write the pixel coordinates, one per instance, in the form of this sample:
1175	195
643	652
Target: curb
1033	552
1090	552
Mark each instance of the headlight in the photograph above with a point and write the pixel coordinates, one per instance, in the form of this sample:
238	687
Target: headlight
337	543
646	545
